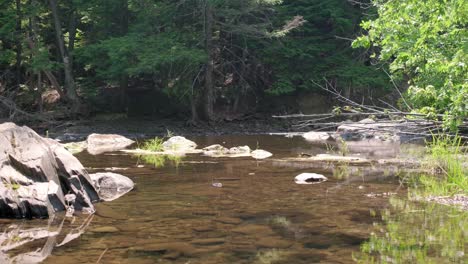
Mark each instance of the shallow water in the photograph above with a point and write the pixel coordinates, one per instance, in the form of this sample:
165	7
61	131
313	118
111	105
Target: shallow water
260	215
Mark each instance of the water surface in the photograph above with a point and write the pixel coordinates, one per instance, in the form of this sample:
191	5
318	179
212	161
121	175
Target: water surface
260	215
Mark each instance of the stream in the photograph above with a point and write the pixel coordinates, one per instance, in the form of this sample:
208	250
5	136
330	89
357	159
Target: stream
176	215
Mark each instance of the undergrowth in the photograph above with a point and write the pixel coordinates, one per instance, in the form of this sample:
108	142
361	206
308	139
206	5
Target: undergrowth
447	160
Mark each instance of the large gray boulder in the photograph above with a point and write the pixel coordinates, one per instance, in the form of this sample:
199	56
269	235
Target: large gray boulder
100	143
36	173
111	185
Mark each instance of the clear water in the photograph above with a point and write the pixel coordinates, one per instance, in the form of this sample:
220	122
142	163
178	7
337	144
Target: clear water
259	215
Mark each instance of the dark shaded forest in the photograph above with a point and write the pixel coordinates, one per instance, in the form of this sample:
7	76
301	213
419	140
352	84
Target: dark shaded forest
213	60
197	59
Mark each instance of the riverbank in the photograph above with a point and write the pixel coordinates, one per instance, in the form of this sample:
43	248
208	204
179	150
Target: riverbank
145	128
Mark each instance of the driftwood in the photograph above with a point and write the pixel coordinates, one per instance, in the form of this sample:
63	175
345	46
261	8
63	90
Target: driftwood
416	124
13	110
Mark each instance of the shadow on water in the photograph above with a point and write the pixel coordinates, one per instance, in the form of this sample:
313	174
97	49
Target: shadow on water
260	215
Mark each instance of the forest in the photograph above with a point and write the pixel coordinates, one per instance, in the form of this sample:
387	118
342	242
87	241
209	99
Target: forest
213	60
206	59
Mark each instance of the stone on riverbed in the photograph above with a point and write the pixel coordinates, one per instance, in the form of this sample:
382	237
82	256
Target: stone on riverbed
100	143
220	151
317	137
110	185
179	144
260	154
309	178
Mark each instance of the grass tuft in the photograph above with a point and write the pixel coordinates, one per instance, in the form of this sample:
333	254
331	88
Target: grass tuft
446	159
155	144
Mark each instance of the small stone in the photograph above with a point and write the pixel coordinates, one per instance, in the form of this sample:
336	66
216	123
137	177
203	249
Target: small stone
105	229
217	184
260	154
309	178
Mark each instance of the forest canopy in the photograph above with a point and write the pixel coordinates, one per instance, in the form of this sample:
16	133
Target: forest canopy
209	59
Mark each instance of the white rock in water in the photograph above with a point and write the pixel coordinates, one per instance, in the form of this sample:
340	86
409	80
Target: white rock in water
101	143
316	136
179	144
260	154
309	178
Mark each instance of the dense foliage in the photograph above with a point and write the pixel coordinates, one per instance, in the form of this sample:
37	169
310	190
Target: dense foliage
425	42
218	59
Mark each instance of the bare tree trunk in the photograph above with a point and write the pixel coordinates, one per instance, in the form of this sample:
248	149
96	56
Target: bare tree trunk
70	88
209	82
123	31
19	49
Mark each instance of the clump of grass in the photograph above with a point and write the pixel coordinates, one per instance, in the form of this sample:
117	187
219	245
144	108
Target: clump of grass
155	144
269	256
280	221
446	156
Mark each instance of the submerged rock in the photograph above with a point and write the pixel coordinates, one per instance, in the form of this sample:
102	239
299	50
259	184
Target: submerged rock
100	143
260	154
35	174
110	185
220	151
178	144
215	151
309	178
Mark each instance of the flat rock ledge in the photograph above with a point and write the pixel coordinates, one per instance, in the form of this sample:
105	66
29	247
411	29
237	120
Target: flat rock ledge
39	177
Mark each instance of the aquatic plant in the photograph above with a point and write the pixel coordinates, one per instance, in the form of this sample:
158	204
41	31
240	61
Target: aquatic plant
446	159
269	256
280	221
155	144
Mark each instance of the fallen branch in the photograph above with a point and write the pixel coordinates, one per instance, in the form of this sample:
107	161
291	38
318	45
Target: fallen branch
14	109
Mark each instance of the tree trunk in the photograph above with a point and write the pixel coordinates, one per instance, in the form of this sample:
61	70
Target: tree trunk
19	49
70	88
124	78
209	70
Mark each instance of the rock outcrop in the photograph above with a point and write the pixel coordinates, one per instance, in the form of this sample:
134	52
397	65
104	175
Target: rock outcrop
39	176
